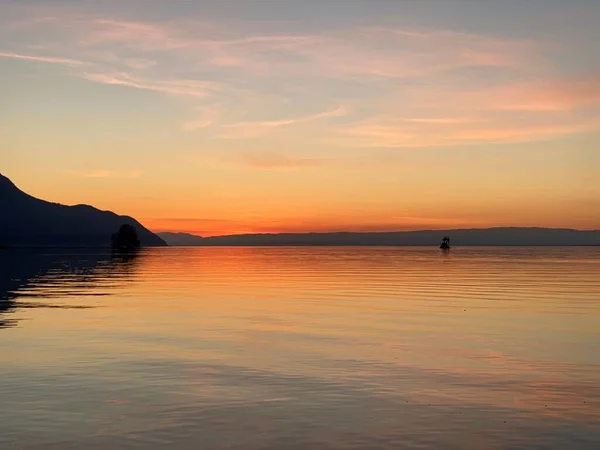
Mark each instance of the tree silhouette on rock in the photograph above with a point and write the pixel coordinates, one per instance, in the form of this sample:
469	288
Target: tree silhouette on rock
126	239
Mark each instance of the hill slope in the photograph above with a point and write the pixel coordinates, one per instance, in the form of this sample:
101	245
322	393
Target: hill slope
489	236
181	239
26	221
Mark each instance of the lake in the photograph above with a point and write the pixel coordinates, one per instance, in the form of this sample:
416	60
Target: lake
295	348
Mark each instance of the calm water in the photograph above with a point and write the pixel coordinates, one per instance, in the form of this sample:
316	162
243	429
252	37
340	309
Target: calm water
253	348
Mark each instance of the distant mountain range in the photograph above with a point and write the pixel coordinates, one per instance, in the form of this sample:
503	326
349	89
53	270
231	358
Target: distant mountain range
490	236
26	221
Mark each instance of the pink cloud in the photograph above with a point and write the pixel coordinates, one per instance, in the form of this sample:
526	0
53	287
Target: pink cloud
366	51
433	112
510	113
546	94
438	120
553	95
392	133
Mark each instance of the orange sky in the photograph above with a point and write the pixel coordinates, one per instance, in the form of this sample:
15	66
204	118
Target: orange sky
213	120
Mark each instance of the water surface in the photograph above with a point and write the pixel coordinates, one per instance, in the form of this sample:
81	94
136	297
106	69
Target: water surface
312	347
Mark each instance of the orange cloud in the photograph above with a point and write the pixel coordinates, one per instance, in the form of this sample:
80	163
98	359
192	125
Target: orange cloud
511	113
390	132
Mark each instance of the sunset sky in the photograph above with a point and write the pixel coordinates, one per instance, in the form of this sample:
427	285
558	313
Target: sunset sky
218	117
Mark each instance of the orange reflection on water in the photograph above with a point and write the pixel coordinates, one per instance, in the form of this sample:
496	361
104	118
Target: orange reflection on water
460	341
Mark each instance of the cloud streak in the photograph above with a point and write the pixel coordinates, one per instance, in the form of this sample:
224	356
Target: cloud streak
258	128
400	87
189	88
337	112
369	51
391	133
44	59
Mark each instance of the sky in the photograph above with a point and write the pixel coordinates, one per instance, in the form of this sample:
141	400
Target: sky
221	117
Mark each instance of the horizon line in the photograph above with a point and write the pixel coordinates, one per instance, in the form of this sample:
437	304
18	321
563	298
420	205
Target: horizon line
380	232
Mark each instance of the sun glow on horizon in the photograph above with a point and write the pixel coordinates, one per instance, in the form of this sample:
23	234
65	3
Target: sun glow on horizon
208	119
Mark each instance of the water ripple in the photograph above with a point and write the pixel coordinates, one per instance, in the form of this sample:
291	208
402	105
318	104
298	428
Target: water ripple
345	348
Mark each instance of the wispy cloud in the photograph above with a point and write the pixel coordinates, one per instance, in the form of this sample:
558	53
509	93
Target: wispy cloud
258	128
337	112
139	63
145	36
190	88
365	51
438	120
392	133
399	86
45	59
504	113
205	117
559	94
195	124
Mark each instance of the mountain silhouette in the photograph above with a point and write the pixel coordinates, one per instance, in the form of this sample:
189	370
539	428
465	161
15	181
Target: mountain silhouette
477	236
181	239
26	221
